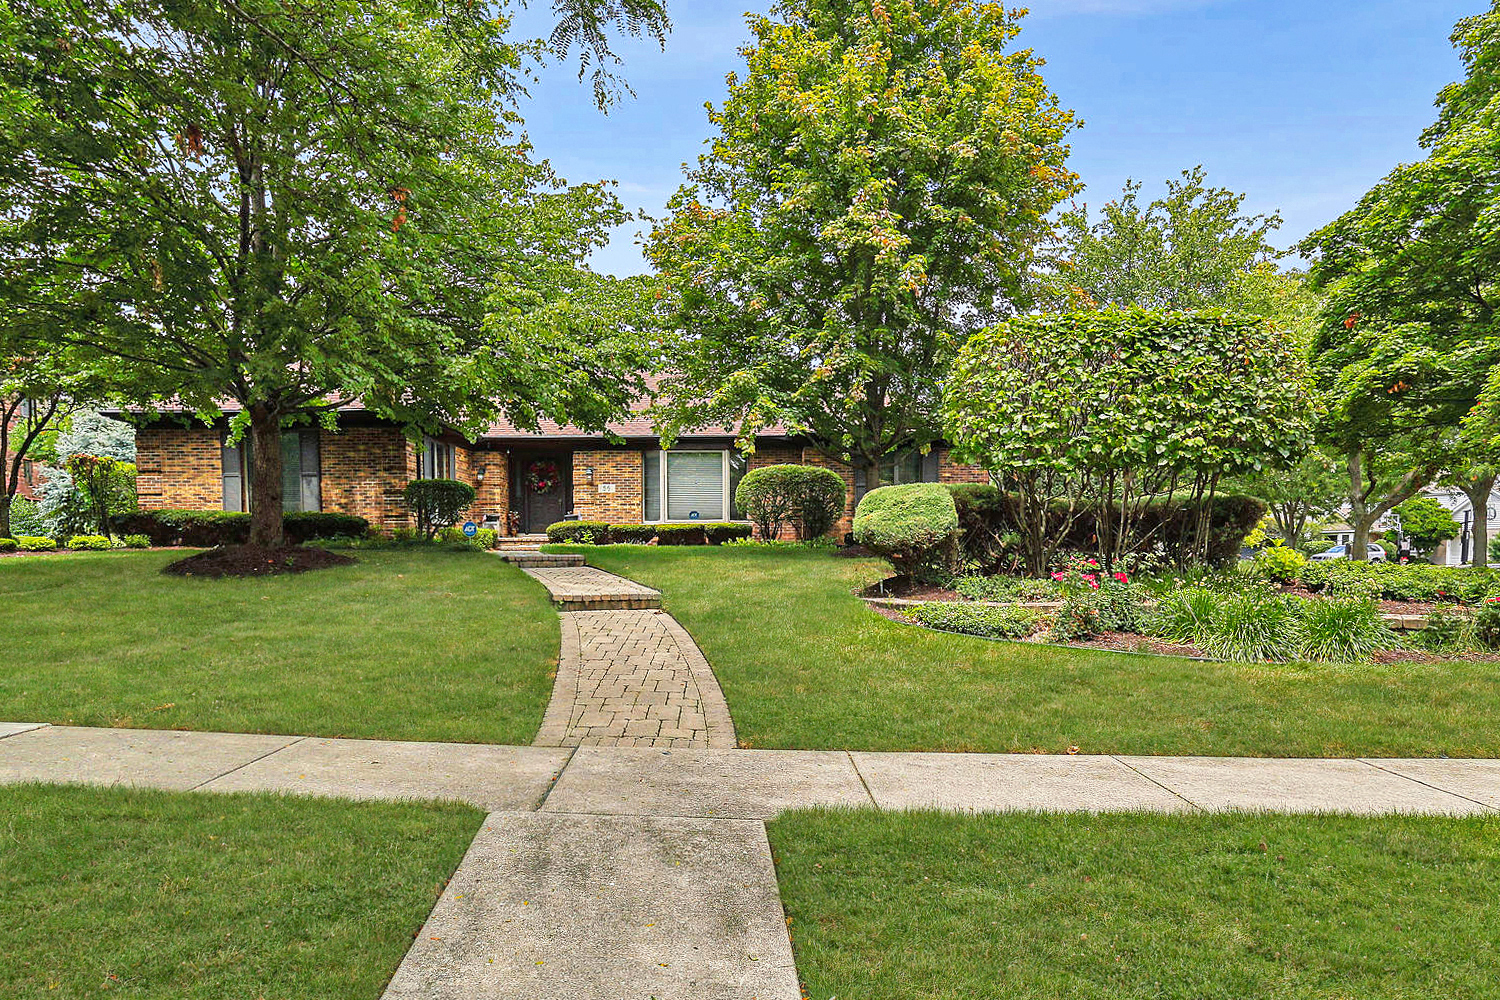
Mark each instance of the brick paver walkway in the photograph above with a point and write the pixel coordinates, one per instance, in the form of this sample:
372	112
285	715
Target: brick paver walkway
633	678
584	588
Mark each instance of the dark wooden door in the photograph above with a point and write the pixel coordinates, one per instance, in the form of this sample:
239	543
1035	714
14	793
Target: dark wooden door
544	486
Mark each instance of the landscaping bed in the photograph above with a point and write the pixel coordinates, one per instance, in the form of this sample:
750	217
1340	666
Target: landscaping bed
805	664
929	906
207	897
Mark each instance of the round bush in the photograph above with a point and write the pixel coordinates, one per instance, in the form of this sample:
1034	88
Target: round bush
35	543
914	526
1280	563
437	503
8	545
137	542
808	498
579	532
89	543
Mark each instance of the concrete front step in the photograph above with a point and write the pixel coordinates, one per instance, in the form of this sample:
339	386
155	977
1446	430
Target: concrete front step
540	560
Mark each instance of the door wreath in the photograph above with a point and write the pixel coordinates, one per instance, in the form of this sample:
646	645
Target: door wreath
543	476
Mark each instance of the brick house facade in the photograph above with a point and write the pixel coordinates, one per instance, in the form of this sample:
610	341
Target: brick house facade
523	480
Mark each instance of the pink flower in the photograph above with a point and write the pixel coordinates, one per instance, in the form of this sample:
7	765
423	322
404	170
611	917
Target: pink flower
1121	578
1094	584
1058	576
1093	562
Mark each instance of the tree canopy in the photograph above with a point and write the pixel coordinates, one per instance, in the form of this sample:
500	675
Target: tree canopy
878	185
283	206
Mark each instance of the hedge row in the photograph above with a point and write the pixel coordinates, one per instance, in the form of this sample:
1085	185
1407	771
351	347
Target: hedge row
984	513
209	528
600	533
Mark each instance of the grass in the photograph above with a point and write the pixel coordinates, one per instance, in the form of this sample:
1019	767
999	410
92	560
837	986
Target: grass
154	894
403	645
929	906
805	664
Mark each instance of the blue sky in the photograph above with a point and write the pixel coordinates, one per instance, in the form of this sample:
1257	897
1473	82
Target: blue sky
1301	104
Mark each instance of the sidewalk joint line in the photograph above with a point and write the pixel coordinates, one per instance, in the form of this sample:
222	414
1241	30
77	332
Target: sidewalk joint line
572	752
1158	784
247	763
861	776
1427	784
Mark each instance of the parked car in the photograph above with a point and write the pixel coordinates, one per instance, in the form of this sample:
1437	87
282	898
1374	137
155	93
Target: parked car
1377	554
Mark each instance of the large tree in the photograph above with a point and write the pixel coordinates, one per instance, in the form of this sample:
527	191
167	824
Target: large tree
877	187
1195	247
1408	338
282	206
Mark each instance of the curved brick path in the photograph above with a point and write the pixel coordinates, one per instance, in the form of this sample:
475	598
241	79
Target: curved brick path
628	675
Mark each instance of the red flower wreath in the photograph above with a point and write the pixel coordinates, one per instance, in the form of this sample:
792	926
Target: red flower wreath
542	477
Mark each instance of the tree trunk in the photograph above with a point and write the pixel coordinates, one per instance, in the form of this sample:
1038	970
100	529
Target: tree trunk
265	477
1479	500
5	499
1359	515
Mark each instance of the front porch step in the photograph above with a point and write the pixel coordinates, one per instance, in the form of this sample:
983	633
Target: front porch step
584	588
521	542
530	559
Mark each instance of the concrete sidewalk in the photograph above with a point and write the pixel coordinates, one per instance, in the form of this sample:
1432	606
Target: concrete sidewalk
736	784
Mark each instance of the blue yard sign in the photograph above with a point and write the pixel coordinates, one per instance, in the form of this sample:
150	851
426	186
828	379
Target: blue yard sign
471	529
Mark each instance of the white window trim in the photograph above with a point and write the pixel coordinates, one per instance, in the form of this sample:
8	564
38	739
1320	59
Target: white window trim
660	456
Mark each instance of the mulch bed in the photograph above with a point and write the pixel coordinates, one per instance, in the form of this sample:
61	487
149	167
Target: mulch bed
253	560
907	589
1388	607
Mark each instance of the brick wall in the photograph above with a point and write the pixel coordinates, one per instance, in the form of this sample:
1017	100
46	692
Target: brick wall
950	471
179	467
624	469
364	471
493	495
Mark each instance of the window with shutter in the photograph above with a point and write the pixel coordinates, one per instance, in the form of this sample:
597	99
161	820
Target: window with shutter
233	475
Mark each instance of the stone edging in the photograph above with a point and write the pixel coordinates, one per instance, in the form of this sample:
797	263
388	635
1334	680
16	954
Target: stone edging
721	735
554	728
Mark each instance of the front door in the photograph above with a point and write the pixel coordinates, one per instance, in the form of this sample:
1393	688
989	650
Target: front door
544	491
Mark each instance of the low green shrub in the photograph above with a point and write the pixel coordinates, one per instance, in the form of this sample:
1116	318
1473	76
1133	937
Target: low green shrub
484	538
632	534
1279	563
306	525
970	619
1006	588
8	545
437	503
579	532
808	498
89	543
914	526
137	541
1421	582
1344	631
680	534
213	528
35	543
719	532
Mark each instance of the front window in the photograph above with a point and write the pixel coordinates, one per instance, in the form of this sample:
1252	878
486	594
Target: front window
436	460
690	485
908	467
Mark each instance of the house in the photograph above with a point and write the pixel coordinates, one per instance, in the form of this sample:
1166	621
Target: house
31	472
1456	552
524	480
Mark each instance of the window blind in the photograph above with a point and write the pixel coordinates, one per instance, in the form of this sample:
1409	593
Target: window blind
695	486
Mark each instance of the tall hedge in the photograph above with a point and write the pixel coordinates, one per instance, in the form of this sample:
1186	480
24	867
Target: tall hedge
212	528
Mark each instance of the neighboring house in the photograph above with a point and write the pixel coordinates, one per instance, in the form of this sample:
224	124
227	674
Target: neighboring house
524	480
1459	551
31	472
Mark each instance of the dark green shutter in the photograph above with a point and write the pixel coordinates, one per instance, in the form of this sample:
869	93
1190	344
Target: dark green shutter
312	471
232	475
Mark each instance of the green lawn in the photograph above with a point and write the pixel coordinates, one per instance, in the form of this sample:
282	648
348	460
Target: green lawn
805	664
154	894
930	907
402	645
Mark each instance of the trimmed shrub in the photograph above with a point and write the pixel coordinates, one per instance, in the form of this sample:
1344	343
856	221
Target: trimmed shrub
35	543
215	528
579	532
137	542
1393	582
680	534
437	503
1006	588
632	534
914	526
1279	563
484	538
969	619
89	543
719	532
807	497
8	545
